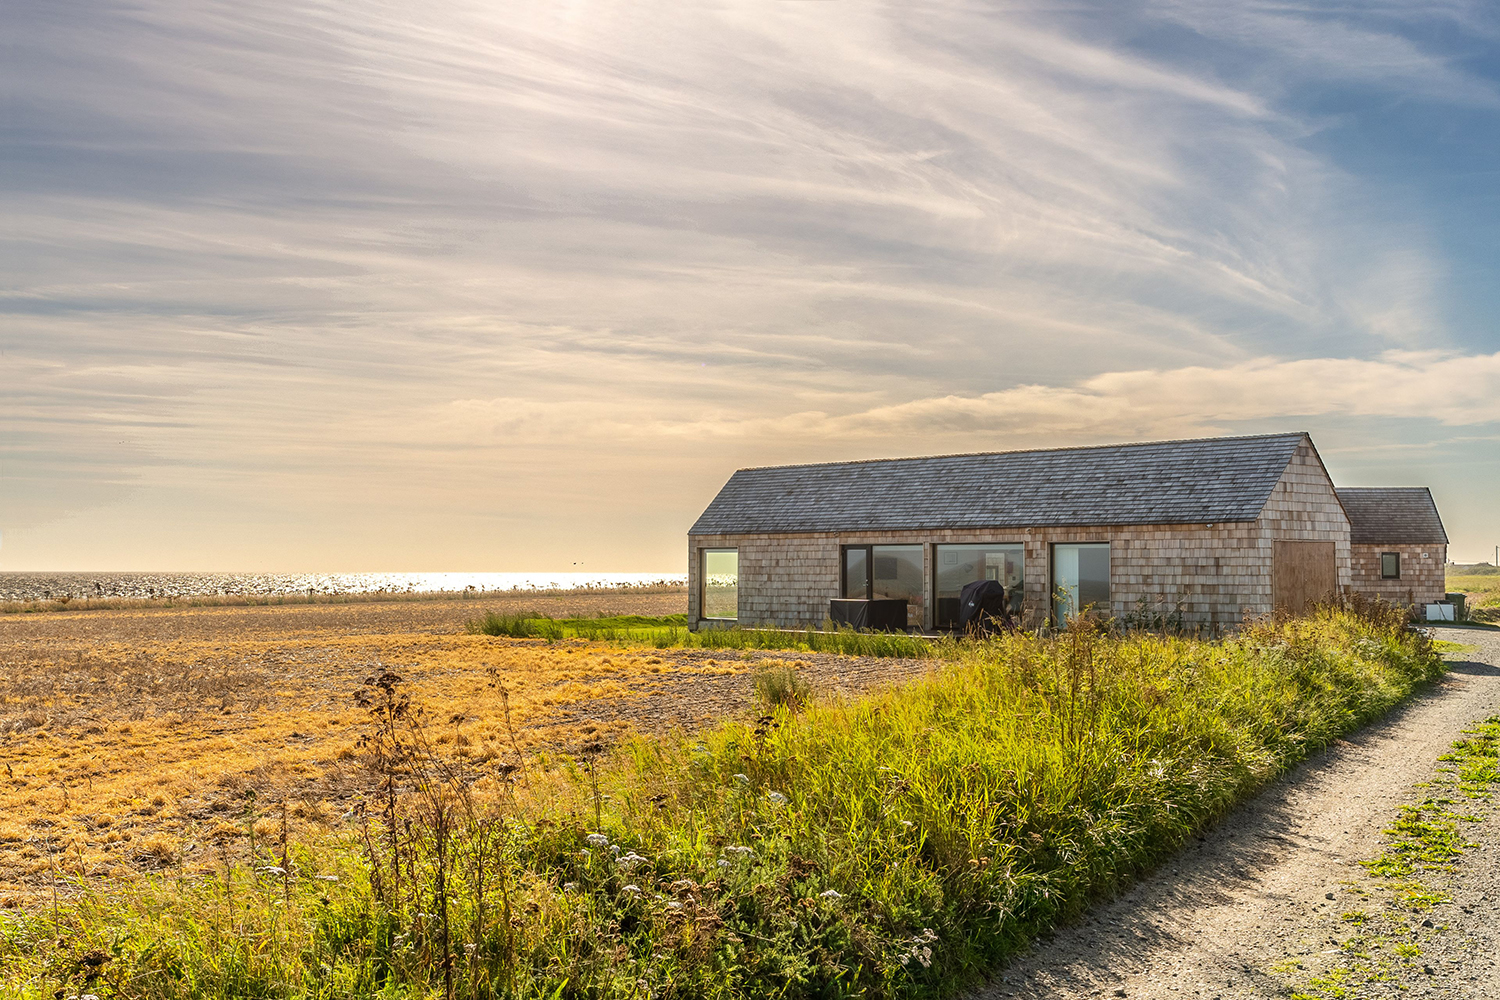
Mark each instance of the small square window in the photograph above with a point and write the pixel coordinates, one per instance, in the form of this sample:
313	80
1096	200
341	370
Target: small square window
1390	565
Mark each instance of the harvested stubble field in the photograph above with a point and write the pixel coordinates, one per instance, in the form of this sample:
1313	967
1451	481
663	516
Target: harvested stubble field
151	740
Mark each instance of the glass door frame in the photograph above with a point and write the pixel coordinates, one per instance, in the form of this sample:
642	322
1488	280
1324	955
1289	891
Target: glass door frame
868	548
1052	602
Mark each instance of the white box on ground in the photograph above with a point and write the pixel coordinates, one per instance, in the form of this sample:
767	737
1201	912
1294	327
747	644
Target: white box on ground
1440	612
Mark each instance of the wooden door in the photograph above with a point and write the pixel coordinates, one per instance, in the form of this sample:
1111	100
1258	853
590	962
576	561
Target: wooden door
1302	573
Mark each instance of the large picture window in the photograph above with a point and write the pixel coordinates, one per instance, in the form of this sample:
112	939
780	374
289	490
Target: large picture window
1080	579
957	566
886	572
720	594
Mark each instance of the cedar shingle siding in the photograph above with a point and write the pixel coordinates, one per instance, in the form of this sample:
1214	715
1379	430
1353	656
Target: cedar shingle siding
1192	525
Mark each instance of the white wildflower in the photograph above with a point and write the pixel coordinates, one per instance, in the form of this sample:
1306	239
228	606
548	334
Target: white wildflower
743	779
596	840
832	895
629	861
777	799
614	849
569	886
633	889
740	853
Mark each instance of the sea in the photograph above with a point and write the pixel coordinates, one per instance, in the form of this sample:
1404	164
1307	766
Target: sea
51	586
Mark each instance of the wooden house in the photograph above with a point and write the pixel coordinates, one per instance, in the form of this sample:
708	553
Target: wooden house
1216	528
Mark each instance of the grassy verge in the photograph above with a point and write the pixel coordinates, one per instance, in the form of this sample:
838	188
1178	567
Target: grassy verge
671	632
899	845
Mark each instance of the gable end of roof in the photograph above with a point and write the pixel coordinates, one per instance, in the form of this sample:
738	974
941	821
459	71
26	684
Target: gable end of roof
1392	515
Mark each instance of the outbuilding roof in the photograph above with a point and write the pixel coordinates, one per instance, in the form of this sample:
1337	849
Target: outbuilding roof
1392	515
1205	480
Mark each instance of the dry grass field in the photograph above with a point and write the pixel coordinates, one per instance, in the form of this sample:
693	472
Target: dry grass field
147	740
1483	590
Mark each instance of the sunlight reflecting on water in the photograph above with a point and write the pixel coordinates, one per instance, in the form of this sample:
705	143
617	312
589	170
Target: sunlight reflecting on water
50	586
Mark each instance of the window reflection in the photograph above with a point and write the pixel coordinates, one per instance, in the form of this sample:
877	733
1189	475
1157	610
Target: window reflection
1080	579
721	583
896	574
887	572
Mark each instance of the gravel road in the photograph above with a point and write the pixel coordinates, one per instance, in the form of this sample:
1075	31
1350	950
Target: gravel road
1252	910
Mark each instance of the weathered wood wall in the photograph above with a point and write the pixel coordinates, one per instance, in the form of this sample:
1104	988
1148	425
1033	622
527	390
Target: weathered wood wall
1423	574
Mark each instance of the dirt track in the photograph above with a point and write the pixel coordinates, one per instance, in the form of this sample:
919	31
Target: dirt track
1246	912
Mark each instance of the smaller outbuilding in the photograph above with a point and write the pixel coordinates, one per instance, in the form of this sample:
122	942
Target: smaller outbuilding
1397	545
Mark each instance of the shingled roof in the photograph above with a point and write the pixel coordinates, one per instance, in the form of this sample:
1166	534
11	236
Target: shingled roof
1206	480
1392	515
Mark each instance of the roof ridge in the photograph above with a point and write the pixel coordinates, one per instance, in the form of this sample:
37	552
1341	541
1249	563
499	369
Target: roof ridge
1035	451
1351	489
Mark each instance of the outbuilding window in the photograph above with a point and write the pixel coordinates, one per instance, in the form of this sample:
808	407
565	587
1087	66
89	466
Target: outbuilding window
1390	565
1080	579
720	582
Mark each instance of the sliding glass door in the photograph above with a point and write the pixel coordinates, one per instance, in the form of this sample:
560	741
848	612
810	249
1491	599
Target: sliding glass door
1080	579
887	572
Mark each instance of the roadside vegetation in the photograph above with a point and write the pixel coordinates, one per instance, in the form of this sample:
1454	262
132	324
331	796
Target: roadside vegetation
671	632
896	844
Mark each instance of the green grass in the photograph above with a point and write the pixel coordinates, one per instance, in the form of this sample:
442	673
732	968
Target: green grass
671	632
900	845
531	625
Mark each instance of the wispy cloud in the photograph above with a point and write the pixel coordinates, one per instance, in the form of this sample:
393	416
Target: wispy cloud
429	255
1452	390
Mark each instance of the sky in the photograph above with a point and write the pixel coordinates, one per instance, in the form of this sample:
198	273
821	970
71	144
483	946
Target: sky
509	287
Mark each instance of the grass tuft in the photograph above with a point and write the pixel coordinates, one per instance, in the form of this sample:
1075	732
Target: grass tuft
782	686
